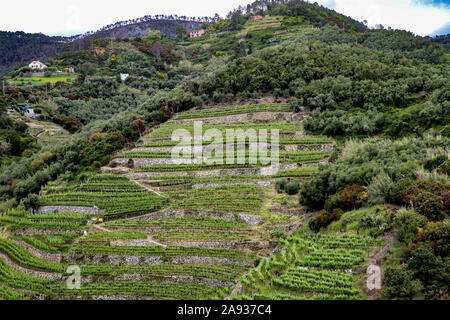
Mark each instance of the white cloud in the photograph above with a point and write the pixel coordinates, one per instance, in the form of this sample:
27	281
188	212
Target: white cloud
58	17
399	14
73	16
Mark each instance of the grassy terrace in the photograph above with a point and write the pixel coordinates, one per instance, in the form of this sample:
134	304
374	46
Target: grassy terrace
173	257
231	199
107	193
294	156
164	252
221	272
283	141
311	266
67	222
12	278
228	111
172	180
26	259
165	131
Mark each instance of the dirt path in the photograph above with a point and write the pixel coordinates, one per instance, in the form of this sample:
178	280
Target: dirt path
237	290
149	237
96	226
147	188
150	240
375	264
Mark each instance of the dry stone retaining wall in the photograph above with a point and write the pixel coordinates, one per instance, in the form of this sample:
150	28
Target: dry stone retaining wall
156	260
90	210
52	257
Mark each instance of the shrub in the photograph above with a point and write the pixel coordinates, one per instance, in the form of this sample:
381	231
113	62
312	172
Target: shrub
314	193
430	270
324	219
99	146
31	202
446	199
444	168
398	282
48	157
437	236
292	188
37	165
432	164
430	205
349	198
130	163
407	224
375	223
280	185
378	187
397	192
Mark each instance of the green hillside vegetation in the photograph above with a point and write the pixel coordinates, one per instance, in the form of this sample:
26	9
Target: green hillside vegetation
363	117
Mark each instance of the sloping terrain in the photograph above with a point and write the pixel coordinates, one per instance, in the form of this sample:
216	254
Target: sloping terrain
172	231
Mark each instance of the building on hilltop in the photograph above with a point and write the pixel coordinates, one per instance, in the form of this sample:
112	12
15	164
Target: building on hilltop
257	17
197	33
37	65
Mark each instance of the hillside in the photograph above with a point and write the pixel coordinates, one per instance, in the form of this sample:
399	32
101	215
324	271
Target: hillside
362	183
19	48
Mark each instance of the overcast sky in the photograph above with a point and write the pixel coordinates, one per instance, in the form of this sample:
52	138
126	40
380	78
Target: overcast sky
56	17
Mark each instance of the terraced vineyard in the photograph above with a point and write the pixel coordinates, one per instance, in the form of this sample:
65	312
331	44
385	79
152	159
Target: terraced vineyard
171	231
311	266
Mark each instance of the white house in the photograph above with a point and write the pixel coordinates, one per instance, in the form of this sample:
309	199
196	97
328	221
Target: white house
37	65
124	76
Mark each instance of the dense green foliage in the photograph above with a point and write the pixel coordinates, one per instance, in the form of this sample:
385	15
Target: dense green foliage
363	117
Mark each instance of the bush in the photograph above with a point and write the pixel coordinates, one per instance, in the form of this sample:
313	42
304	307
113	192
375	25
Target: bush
314	193
280	185
398	282
437	236
324	219
432	164
444	168
378	187
430	269
430	205
349	198
99	147
48	157
31	202
292	188
37	165
375	223
407	224
397	193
